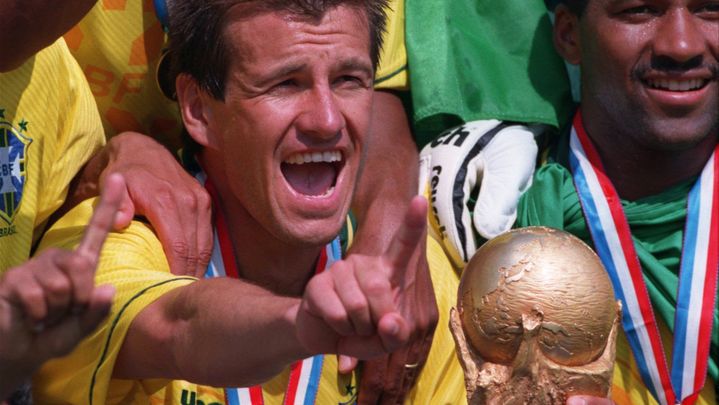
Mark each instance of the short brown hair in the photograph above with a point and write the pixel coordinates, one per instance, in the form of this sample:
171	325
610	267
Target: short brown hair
197	44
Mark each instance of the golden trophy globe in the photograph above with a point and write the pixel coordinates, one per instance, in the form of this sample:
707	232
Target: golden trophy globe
536	320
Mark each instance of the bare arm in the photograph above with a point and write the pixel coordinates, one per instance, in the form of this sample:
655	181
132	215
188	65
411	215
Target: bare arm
389	179
31	25
220	332
226	332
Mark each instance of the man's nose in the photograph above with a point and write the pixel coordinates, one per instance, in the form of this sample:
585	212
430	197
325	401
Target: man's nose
679	38
321	116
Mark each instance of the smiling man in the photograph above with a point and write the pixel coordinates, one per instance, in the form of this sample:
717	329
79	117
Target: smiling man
638	176
276	96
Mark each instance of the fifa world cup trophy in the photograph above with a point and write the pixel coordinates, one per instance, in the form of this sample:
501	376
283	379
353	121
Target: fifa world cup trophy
536	320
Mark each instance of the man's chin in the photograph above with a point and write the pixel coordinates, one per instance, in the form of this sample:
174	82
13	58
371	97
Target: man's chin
310	220
313	232
680	142
672	134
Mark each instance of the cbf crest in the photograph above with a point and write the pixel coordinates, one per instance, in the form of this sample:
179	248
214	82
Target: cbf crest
13	152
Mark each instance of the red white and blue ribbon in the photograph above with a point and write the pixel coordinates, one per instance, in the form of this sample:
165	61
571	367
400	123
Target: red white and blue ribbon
697	278
305	375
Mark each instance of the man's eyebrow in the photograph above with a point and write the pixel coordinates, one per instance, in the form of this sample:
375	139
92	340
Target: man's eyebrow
350	64
282	71
356	64
618	2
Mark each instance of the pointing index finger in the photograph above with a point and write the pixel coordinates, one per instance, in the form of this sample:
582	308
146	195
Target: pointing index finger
408	237
102	218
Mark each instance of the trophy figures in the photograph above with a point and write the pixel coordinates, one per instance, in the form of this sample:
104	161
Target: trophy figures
536	320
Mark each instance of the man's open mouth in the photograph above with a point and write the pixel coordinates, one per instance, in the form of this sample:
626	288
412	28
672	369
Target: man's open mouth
313	173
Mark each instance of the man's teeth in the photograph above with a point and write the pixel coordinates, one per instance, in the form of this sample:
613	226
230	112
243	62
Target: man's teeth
676	85
327	192
315	157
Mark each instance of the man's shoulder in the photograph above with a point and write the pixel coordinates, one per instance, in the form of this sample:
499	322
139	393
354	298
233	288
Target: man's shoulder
135	246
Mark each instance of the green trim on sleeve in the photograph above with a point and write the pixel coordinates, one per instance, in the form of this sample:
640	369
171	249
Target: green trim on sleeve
386	77
114	324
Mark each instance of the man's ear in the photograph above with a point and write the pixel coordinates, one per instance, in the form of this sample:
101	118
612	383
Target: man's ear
566	34
196	111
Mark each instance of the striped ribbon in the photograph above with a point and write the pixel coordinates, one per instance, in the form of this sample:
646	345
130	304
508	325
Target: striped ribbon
162	14
305	375
697	278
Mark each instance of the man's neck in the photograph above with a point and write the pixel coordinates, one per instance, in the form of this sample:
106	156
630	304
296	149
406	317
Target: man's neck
637	171
260	257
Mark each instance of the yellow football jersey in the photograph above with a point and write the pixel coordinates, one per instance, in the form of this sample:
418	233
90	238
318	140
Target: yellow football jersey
392	71
441	381
49	128
133	262
333	388
118	45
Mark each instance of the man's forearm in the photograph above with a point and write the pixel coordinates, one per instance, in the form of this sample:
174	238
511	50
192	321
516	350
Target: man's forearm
389	180
219	332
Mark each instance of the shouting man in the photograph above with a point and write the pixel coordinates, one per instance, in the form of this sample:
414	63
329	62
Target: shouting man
276	97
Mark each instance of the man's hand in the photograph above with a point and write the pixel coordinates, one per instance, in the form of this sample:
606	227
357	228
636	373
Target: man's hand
355	307
387	379
499	157
48	304
158	188
383	194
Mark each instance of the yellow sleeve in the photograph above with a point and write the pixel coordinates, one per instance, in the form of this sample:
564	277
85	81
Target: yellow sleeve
134	263
78	137
441	381
49	128
392	69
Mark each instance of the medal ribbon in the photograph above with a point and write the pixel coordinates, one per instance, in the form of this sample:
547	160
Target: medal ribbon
305	374
697	277
162	14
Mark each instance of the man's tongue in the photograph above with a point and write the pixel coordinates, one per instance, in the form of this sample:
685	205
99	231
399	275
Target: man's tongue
310	178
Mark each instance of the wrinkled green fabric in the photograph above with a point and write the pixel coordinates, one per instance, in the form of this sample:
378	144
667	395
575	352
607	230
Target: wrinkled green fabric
471	60
657	224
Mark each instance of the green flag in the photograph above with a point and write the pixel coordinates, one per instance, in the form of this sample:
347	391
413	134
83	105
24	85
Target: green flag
482	59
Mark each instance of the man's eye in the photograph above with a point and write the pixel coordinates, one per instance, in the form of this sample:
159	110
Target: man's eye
285	86
348	80
286	83
639	10
638	13
709	10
